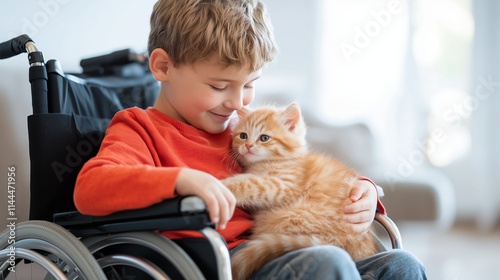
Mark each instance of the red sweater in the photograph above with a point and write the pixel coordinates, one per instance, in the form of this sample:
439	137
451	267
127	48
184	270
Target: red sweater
138	163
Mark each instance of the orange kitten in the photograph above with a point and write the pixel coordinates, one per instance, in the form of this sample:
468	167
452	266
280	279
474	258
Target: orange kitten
297	196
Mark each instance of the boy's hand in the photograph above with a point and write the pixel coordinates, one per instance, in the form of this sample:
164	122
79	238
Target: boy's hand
361	212
220	201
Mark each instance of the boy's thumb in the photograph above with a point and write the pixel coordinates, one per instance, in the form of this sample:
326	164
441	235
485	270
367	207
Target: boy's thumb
355	194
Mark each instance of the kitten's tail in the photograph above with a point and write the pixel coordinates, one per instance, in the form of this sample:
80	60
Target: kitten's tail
263	249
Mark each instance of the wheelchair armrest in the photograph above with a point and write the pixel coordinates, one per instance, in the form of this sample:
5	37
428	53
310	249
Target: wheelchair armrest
179	213
391	229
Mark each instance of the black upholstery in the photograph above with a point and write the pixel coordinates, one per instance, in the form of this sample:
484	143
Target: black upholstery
71	133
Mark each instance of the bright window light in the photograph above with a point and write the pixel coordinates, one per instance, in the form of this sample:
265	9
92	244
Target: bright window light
367	64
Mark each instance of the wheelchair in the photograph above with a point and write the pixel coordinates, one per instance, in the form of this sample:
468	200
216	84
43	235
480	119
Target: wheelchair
70	115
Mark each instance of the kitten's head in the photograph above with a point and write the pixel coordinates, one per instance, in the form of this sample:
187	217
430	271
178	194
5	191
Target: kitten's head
268	133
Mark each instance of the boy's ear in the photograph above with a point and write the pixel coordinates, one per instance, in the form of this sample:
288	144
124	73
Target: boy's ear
159	63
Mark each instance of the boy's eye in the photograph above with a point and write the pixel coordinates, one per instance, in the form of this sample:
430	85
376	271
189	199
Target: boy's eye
264	138
218	88
243	136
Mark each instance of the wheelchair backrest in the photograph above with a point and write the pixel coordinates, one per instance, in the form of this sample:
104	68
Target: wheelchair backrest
62	140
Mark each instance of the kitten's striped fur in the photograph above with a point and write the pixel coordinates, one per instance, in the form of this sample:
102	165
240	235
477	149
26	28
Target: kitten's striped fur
297	196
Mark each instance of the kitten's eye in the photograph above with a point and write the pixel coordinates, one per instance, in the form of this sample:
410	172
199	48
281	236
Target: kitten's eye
243	136
264	138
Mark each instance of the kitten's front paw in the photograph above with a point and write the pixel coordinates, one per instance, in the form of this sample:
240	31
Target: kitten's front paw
226	182
231	183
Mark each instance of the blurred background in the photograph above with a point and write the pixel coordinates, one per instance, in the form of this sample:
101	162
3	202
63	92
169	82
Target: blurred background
406	91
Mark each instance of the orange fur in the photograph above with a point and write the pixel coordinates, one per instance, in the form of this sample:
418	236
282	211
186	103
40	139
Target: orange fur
297	196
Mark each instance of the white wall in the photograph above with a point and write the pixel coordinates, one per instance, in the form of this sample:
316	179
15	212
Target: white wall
69	30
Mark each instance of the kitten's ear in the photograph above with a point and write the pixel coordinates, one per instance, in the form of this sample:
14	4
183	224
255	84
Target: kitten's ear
243	111
291	116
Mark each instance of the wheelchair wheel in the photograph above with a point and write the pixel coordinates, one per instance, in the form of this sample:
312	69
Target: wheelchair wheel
43	243
161	255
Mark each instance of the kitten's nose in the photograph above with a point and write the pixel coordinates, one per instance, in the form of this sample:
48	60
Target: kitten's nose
248	146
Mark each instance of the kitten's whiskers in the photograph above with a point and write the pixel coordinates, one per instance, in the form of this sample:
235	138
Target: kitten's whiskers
232	157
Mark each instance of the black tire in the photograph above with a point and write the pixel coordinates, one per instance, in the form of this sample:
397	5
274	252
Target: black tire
81	261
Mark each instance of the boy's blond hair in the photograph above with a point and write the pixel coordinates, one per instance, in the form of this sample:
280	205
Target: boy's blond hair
239	31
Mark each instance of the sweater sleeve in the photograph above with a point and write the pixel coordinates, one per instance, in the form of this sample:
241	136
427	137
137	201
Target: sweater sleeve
124	174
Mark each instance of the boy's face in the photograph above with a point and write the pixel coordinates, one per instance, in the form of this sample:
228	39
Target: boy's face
206	94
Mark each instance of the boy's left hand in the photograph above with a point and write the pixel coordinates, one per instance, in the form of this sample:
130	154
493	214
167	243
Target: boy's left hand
361	212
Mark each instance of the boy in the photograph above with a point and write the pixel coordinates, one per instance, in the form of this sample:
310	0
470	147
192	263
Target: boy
207	56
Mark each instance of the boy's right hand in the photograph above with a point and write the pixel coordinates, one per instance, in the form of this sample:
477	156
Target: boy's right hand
220	201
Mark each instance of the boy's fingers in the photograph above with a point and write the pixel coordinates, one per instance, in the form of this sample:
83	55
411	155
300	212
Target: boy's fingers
356	194
213	208
359	222
227	203
359	217
357	206
225	212
231	199
360	228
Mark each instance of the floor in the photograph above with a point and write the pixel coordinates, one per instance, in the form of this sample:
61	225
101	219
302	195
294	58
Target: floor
462	253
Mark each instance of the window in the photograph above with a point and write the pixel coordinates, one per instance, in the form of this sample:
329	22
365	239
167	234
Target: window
400	66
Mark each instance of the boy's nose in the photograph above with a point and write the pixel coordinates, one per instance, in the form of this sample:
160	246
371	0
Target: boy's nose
234	100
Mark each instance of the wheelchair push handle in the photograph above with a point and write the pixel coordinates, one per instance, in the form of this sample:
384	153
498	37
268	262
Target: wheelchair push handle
14	46
37	72
22	44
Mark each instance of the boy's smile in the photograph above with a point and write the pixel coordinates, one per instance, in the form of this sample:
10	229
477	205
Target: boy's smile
204	94
222	118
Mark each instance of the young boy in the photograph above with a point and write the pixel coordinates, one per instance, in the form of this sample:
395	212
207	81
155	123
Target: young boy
207	56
